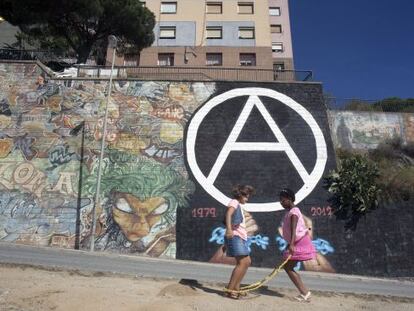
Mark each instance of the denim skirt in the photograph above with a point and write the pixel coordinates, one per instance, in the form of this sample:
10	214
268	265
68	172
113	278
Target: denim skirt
236	246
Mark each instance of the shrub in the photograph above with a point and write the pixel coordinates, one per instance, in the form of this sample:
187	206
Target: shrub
354	189
395	163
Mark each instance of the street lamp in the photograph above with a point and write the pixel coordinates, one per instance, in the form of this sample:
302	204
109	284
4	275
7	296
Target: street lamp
112	42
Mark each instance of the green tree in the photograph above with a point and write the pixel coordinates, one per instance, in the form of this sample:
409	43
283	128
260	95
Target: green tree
391	104
395	104
354	189
359	105
81	25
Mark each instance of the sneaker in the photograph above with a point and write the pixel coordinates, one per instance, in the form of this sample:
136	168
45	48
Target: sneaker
304	298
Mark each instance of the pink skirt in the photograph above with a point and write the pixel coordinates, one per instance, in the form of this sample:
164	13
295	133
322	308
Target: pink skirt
304	250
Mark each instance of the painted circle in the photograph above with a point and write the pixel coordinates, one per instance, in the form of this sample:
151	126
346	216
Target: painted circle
309	184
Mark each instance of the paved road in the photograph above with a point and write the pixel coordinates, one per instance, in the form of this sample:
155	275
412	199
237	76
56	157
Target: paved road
180	269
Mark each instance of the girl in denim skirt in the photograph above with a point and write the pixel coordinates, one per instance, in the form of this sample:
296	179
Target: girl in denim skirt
236	237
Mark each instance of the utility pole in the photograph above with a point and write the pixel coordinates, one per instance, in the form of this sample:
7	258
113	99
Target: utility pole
112	43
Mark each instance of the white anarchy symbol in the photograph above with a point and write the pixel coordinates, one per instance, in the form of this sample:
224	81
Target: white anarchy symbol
310	180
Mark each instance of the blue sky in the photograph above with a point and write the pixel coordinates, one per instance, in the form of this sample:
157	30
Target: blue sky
356	48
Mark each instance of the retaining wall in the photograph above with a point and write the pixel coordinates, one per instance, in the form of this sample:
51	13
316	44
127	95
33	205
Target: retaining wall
174	151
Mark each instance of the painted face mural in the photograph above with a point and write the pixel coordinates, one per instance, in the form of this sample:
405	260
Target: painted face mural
141	200
135	217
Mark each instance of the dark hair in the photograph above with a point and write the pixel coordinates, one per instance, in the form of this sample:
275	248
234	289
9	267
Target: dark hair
242	190
287	193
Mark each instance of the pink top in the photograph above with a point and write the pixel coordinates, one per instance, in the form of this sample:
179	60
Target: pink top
239	230
301	229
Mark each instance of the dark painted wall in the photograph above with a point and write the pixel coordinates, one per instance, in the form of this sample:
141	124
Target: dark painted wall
382	243
267	171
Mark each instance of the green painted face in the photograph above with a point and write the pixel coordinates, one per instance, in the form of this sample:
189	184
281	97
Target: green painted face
136	217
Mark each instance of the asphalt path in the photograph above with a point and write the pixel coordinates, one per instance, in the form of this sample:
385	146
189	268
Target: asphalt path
54	258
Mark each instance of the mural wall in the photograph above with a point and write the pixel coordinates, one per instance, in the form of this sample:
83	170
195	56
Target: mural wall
365	130
49	146
174	151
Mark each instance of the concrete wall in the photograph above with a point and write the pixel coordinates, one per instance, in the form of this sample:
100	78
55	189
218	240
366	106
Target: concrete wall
365	130
174	150
382	243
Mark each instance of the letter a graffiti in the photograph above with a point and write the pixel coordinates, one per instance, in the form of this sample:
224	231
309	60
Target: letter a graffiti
232	145
310	179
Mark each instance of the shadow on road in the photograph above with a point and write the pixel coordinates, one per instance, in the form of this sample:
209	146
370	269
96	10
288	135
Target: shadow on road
194	284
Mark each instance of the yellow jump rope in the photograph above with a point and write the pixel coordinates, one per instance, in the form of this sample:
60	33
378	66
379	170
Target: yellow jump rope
260	283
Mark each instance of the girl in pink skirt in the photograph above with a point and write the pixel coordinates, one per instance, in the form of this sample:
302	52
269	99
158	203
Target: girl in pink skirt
300	245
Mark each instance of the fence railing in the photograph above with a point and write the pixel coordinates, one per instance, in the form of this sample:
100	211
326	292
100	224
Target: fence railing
174	73
168	73
44	56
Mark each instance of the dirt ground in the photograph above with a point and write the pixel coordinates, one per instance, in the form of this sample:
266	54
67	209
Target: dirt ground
30	289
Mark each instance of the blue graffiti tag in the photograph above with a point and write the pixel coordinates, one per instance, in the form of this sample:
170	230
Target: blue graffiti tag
59	155
218	236
323	246
260	241
281	243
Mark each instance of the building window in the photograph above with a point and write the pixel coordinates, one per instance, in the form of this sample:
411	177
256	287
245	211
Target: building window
247	59
279	67
246	32
167	32
214	59
166	59
168	7
245	8
131	60
277	47
276	28
274	11
214	32
214	8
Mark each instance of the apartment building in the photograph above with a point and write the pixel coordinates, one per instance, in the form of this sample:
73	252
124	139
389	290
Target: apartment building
221	33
